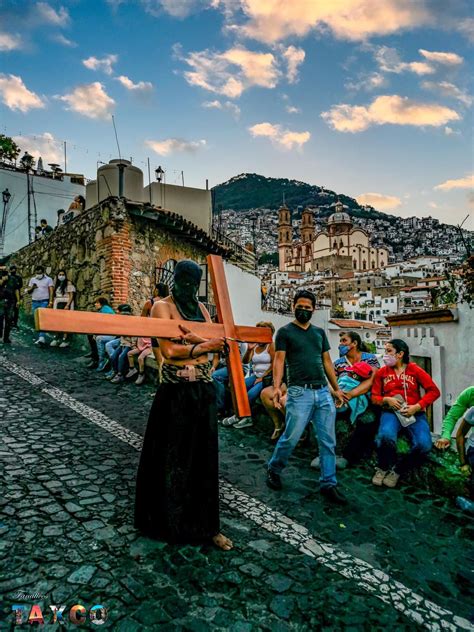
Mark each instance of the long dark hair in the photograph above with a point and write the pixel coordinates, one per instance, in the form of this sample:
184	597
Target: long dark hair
401	345
355	337
61	285
162	290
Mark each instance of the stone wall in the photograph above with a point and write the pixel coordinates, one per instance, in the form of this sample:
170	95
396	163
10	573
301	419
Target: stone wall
110	251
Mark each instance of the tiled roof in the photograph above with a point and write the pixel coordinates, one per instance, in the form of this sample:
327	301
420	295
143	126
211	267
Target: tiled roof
346	323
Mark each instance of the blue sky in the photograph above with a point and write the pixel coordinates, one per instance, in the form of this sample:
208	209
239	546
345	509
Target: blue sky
370	98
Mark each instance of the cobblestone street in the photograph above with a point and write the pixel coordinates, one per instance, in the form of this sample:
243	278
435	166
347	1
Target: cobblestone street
69	448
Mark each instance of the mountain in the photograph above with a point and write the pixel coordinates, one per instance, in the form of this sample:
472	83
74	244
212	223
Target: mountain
250	190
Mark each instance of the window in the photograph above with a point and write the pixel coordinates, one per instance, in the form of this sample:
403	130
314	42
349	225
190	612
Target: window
364	265
355	263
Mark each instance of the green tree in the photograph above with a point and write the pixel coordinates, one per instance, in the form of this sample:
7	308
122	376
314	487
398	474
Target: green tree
9	150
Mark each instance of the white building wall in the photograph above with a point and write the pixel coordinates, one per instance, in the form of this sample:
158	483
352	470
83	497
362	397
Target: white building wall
193	204
50	195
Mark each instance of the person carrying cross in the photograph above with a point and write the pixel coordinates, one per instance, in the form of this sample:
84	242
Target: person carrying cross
177	490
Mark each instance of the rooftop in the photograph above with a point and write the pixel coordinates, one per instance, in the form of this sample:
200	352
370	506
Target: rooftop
347	323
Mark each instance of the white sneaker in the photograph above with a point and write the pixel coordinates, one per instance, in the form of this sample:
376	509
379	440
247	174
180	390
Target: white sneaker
379	477
245	422
229	421
41	341
64	344
131	373
54	343
391	479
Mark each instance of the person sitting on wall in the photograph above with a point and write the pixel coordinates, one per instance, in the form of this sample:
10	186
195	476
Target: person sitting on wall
142	349
466	458
38	233
61	213
396	389
46	229
75	208
464	401
260	357
102	306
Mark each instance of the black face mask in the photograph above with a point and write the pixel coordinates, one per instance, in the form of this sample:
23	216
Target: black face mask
187	277
303	316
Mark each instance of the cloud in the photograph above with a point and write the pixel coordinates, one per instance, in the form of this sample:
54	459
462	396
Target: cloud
449	59
388	109
45	145
368	83
64	41
274	20
231	72
105	64
291	109
461	183
283	138
141	86
47	14
448	90
294	57
172	145
226	105
377	200
9	41
466	28
389	60
449	131
16	96
89	100
175	8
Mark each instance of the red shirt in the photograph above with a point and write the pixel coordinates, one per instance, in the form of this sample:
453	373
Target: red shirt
387	384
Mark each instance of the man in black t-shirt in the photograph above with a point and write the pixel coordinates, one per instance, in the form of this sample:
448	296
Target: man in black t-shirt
305	350
18	283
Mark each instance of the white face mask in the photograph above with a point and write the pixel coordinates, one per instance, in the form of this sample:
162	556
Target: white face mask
40	276
61	277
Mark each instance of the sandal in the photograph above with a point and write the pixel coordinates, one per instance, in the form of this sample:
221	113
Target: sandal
276	434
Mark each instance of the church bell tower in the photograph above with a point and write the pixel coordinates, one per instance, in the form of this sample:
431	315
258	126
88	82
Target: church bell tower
307	225
284	236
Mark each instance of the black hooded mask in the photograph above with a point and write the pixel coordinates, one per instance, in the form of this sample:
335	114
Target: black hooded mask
187	277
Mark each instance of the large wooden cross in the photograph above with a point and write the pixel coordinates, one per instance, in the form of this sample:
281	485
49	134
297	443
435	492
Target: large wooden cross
116	325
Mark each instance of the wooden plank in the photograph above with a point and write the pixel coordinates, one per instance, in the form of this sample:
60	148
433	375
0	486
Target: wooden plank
225	316
115	325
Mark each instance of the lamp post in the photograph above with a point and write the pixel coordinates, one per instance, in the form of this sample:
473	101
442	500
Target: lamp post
6	195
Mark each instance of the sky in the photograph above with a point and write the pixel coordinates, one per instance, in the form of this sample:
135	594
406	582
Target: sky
370	98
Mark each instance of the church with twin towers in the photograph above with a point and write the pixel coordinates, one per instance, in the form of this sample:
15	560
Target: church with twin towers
340	245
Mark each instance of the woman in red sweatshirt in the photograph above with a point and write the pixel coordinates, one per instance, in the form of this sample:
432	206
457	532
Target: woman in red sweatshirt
396	388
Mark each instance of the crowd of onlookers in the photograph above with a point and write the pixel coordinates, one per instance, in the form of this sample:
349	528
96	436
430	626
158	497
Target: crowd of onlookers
380	400
76	207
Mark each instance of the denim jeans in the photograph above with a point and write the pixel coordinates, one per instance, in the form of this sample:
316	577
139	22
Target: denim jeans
220	379
34	307
304	406
101	341
418	434
111	346
119	359
253	390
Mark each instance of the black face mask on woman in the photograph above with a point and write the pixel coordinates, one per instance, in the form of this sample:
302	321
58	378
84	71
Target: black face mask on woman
303	316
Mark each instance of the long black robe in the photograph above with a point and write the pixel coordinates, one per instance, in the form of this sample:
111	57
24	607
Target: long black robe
177	493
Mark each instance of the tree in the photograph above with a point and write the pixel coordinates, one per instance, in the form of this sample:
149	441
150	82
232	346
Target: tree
9	150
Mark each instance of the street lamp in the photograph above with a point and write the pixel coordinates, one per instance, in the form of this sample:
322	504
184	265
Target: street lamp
159	173
6	195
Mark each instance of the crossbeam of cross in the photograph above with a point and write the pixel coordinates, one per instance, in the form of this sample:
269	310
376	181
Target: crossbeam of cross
118	325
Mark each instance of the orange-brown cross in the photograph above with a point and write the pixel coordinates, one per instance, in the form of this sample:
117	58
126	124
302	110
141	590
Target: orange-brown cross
116	325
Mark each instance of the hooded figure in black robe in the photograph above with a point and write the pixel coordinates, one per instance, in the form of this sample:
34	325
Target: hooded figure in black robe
177	493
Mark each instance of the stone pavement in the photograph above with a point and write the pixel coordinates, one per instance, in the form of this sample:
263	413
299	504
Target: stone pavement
66	514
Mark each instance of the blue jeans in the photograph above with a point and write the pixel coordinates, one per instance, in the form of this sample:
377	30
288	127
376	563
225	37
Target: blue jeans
34	307
119	359
418	434
253	390
304	406
101	341
111	346
220	379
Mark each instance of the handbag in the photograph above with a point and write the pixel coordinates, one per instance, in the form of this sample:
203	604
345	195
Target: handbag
405	421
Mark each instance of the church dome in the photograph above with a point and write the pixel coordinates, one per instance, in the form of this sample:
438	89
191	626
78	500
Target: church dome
339	218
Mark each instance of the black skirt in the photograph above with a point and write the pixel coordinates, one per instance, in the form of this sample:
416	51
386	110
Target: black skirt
177	493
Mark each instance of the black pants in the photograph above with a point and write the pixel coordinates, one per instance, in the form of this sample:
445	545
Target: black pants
93	346
6	314
15	313
361	442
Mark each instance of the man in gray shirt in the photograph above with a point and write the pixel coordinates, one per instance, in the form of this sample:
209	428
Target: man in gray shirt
305	350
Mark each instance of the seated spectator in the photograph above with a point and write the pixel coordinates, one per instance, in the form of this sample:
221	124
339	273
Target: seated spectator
260	356
46	229
365	422
396	389
119	357
63	294
220	377
160	291
75	208
38	233
142	349
466	458
102	306
464	401
60	221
